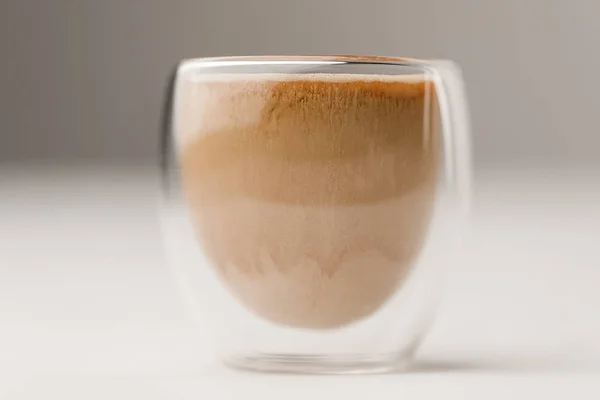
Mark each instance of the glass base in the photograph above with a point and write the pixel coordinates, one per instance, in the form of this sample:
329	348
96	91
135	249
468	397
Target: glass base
320	364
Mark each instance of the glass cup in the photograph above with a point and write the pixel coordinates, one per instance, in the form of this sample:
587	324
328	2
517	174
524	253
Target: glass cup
312	203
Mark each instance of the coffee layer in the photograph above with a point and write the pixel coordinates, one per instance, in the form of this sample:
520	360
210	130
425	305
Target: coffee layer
312	195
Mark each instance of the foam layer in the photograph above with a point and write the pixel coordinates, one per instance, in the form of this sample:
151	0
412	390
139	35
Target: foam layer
328	77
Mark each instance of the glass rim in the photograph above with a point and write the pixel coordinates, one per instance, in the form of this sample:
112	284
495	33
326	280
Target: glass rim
232	61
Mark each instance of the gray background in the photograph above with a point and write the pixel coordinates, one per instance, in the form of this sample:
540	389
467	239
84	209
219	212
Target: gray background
82	80
86	288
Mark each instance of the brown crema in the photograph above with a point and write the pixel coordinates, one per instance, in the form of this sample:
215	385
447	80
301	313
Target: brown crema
311	195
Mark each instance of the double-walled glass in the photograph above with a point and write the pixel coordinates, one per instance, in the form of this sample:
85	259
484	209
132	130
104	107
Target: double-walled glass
312	203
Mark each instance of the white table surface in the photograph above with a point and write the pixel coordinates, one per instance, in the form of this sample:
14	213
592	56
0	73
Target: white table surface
89	310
